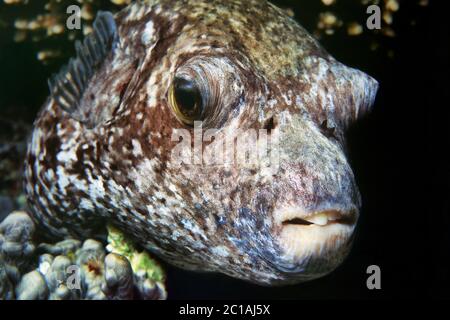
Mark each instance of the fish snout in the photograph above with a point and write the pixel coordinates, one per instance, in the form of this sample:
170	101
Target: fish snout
313	243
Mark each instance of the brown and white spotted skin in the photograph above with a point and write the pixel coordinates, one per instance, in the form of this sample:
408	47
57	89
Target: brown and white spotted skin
109	160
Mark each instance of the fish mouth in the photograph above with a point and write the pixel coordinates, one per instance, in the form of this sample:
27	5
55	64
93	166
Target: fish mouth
321	218
322	234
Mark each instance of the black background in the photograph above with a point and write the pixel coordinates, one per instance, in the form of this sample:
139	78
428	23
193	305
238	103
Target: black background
398	153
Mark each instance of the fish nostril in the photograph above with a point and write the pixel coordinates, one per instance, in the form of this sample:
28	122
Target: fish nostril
328	129
269	125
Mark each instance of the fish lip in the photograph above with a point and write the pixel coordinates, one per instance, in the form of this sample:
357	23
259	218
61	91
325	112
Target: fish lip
304	241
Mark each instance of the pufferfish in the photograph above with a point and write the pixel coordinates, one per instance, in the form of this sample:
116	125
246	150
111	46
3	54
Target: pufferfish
102	148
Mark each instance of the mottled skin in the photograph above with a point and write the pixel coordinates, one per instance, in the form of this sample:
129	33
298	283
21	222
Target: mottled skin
264	71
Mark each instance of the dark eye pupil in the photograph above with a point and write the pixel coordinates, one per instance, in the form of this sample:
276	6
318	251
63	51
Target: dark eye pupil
188	98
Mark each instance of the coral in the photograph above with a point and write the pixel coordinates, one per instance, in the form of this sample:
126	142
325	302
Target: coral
16	247
118	277
149	276
71	269
32	286
6	287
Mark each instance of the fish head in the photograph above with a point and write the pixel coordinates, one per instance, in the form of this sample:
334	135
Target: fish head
253	136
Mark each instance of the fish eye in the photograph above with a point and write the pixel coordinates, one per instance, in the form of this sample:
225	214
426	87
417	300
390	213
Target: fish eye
186	100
